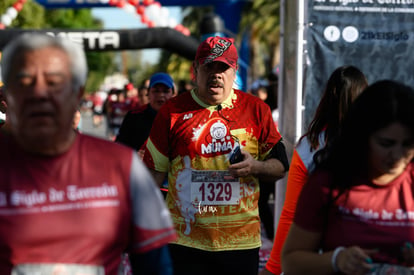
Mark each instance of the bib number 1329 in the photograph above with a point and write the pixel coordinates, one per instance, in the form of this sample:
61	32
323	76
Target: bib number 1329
210	192
215	191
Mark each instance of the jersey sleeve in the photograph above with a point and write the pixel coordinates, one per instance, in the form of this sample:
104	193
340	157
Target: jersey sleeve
297	177
153	227
270	136
156	147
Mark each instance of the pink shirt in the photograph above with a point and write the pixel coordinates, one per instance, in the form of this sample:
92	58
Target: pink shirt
367	215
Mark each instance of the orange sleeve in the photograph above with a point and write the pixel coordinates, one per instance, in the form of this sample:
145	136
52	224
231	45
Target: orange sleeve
298	175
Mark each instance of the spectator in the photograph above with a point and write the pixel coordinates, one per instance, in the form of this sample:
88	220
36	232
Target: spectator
143	92
70	203
77	117
214	203
98	100
137	123
354	215
116	107
342	88
132	99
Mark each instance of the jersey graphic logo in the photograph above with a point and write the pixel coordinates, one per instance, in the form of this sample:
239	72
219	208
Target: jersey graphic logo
214	137
217	50
218	131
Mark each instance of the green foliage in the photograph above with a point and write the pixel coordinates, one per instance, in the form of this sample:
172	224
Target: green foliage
31	16
100	65
135	69
261	19
70	18
34	16
177	66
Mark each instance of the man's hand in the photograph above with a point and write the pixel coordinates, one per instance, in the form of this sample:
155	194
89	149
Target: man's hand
269	170
243	168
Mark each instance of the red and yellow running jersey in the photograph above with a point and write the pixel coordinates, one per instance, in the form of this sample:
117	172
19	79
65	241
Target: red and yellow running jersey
193	142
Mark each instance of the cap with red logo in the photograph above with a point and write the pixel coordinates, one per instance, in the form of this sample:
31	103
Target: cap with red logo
217	49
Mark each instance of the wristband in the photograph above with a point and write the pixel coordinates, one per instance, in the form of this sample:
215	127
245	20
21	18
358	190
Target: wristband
334	256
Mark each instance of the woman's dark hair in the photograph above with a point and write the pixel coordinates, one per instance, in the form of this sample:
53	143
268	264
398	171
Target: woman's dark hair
380	105
343	86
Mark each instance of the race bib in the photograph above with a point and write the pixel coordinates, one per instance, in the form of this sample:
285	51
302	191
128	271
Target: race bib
57	269
214	188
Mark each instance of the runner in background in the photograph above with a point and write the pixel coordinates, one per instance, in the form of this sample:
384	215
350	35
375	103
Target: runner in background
70	203
342	88
137	123
98	100
143	92
77	120
132	99
116	107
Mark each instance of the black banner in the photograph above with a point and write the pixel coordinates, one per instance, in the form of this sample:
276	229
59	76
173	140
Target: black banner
377	36
116	40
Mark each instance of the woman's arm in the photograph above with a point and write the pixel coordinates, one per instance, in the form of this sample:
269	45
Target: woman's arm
300	253
300	256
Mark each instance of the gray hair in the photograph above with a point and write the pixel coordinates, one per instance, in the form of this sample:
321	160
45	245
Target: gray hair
32	41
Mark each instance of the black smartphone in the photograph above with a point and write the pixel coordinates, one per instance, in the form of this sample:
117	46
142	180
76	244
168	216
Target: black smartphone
236	156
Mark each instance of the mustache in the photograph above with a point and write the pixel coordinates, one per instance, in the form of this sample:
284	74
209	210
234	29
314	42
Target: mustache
32	104
216	82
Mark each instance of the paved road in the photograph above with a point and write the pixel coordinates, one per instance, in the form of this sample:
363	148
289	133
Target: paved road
87	126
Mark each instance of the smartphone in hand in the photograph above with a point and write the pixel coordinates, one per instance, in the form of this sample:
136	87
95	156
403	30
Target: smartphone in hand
236	156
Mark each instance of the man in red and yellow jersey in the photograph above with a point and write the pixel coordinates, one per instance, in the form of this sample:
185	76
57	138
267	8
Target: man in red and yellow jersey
213	199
